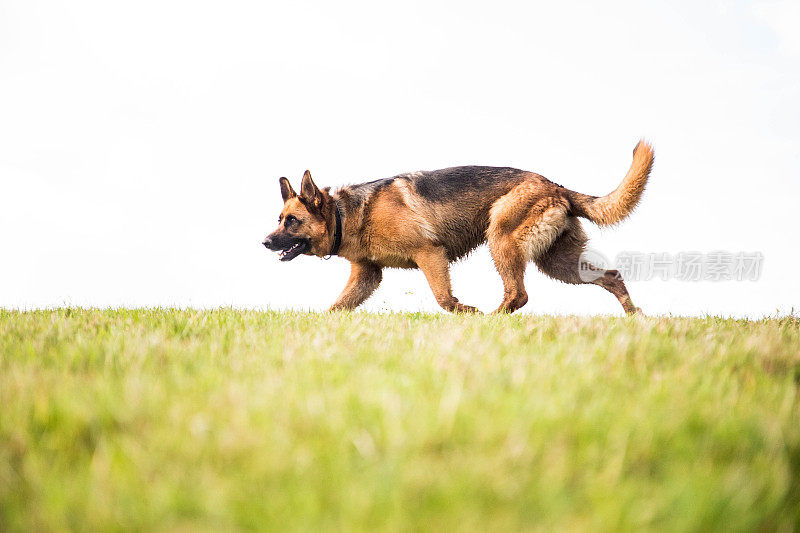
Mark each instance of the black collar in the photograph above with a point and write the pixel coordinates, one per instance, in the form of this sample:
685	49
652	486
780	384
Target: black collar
337	234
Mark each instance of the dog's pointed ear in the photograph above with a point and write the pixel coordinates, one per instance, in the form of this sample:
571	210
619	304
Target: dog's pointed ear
286	189
309	191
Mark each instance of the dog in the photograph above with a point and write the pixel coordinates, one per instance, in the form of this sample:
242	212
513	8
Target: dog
429	219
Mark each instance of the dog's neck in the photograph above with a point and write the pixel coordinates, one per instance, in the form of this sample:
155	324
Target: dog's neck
351	216
337	231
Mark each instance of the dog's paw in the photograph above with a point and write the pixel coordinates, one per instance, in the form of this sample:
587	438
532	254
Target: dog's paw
461	308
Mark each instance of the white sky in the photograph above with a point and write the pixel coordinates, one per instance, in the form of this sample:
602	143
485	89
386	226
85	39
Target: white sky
141	142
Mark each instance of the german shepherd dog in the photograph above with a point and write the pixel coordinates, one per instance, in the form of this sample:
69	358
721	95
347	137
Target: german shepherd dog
427	220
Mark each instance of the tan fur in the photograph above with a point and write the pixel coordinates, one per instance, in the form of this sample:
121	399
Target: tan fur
416	211
364	279
528	219
521	215
400	234
432	260
522	226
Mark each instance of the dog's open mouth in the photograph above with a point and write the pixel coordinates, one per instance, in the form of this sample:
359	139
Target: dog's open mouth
294	250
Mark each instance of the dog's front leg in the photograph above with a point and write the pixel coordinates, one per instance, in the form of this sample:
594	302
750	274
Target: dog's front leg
364	279
434	264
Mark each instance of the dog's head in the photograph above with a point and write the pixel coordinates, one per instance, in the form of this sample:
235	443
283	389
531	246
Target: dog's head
304	226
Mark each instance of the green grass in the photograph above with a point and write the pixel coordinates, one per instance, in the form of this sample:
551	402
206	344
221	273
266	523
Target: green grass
219	420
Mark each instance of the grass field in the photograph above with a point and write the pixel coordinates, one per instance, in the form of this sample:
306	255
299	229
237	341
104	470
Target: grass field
219	420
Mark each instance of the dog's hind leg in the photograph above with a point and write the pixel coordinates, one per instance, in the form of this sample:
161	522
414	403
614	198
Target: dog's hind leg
561	261
364	279
521	228
432	260
510	262
613	283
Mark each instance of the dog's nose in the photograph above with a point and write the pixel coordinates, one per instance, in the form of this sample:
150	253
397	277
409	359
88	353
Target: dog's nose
267	243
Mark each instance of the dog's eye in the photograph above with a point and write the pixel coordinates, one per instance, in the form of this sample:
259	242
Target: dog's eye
292	220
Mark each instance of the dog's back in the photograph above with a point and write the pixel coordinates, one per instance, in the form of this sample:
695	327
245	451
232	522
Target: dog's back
454	202
462	197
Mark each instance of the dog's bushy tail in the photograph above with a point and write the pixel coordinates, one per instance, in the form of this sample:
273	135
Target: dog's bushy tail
614	207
